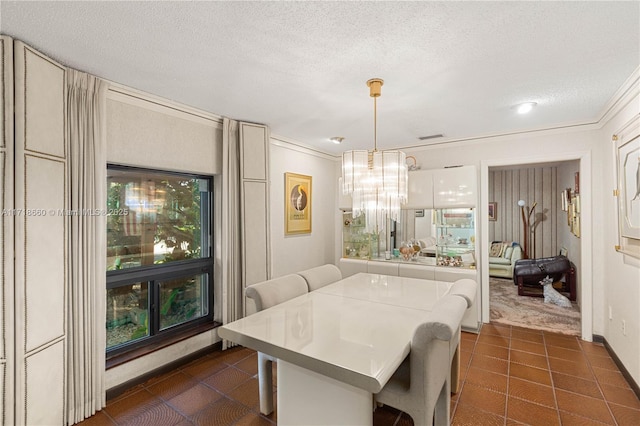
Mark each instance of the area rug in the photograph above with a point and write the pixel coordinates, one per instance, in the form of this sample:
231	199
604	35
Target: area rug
531	312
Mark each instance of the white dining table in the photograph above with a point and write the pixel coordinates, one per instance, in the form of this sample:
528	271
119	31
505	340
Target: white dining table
338	345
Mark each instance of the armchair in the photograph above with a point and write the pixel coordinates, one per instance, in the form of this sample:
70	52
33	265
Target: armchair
503	257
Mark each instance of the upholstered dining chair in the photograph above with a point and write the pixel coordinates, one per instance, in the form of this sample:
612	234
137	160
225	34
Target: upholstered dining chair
466	288
321	275
420	386
265	295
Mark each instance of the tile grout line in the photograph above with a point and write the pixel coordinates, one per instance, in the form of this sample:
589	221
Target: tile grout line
506	400
553	386
604	397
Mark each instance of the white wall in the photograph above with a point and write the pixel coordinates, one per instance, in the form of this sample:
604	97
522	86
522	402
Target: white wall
620	276
294	253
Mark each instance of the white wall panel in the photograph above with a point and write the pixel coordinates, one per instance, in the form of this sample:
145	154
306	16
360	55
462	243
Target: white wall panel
44	98
255	224
44	251
254	146
45	381
41	245
7	341
254	205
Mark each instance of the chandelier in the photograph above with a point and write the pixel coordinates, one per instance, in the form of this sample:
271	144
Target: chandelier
376	180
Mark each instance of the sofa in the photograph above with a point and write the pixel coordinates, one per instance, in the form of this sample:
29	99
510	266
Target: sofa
502	258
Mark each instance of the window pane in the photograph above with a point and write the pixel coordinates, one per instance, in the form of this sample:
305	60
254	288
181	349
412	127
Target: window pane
155	218
183	300
127	313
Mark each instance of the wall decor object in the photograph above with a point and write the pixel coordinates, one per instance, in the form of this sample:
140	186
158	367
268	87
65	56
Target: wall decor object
420	213
627	155
493	211
297	204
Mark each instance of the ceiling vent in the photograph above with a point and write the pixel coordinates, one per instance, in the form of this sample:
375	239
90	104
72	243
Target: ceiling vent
424	138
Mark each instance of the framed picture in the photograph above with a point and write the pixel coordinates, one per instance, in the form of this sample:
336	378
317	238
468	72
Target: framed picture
627	154
493	211
419	213
575	227
297	204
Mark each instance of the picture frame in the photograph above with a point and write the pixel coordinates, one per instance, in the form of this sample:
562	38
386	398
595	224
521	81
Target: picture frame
297	204
627	166
493	211
420	213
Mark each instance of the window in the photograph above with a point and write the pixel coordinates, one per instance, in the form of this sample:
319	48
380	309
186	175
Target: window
159	259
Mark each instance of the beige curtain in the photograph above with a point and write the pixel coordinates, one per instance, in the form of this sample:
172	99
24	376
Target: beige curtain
232	296
87	283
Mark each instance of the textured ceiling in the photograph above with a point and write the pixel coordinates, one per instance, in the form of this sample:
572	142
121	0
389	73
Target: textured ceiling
455	68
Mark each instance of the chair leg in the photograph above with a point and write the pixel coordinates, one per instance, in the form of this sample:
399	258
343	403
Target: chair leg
455	371
441	414
265	384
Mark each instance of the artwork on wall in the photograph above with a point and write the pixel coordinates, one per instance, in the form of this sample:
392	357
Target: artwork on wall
493	211
297	204
627	154
566	199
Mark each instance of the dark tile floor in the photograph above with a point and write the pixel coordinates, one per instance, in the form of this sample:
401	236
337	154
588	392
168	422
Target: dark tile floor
510	376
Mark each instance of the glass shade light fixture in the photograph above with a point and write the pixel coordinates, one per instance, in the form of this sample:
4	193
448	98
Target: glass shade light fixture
376	180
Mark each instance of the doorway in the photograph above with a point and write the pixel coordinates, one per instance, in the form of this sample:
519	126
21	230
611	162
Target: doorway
581	247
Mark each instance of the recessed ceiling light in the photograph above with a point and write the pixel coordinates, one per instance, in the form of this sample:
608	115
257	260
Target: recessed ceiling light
337	139
525	107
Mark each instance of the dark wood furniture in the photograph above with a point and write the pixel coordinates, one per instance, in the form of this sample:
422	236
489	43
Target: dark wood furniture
528	273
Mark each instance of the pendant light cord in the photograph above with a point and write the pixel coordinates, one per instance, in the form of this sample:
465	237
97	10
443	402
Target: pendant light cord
375	123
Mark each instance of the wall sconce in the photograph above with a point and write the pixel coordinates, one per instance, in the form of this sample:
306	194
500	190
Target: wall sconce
414	166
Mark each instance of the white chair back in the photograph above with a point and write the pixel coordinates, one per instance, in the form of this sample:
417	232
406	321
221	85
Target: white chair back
421	386
321	276
272	292
265	295
466	288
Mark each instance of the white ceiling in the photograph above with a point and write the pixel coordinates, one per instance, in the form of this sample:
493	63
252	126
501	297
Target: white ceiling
455	68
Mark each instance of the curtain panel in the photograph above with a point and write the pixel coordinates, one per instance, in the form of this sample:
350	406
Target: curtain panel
87	281
232	297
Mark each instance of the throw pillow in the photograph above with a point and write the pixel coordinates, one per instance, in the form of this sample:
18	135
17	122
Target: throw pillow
508	252
495	250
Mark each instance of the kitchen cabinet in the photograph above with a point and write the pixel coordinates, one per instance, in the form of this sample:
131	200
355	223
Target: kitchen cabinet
455	187
442	188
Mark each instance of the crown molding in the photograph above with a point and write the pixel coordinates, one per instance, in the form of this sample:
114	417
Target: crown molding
294	145
629	90
147	100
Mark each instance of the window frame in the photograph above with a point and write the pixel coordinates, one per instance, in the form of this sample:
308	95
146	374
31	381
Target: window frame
154	274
